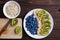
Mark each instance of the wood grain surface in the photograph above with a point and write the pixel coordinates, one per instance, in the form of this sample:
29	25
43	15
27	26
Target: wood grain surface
52	6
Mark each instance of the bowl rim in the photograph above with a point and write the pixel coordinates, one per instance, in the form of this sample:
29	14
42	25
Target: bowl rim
25	26
4	9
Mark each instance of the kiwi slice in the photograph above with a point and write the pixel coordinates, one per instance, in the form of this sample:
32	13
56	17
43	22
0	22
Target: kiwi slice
18	29
14	21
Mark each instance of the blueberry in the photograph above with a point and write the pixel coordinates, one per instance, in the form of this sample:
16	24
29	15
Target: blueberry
35	32
27	23
31	25
32	15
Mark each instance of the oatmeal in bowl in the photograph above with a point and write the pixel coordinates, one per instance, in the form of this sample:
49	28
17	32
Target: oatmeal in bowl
11	9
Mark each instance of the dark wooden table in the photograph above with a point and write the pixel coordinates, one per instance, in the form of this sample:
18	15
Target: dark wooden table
52	6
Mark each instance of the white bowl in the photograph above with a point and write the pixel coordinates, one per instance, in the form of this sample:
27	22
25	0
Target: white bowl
4	9
36	36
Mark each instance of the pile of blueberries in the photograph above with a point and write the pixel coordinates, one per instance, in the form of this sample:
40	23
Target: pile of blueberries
32	24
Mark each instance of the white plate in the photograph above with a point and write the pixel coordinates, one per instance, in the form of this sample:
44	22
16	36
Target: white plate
36	36
4	9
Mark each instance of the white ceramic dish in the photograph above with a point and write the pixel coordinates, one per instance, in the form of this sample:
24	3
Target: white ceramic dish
36	36
4	9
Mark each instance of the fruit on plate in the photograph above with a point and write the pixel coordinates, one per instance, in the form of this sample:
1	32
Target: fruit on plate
44	22
38	23
32	24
